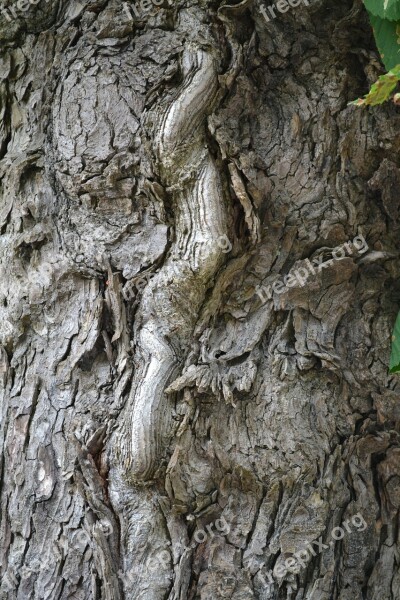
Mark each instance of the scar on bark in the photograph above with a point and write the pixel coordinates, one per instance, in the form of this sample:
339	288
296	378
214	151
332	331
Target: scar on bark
171	302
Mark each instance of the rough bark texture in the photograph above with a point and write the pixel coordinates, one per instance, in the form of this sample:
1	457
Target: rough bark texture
158	175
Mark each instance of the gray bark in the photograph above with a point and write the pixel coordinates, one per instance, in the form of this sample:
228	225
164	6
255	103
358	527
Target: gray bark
174	423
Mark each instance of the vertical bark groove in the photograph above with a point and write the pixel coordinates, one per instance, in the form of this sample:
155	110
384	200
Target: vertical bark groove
170	303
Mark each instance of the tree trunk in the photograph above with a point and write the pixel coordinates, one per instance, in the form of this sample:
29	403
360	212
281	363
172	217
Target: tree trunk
199	257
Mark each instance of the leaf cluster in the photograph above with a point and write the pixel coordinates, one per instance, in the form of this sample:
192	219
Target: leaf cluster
385	21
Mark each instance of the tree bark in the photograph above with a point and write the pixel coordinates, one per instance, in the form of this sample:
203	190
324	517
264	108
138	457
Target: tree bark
199	266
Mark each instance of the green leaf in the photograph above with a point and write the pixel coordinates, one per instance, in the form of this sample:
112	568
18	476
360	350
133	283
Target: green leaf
387	39
385	9
381	90
395	354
